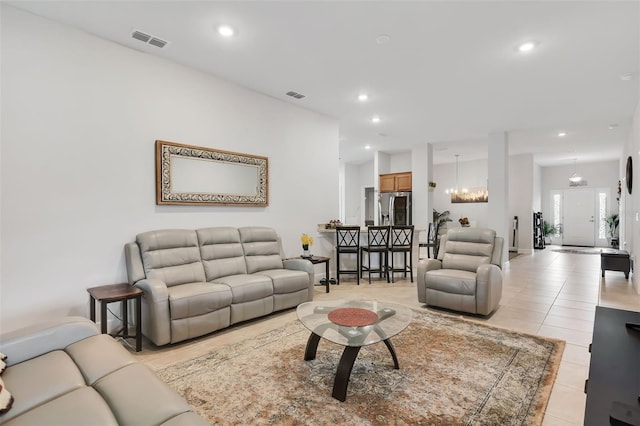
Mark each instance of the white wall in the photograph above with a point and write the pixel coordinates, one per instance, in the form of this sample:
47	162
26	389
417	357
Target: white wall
631	202
537	189
521	200
79	119
400	162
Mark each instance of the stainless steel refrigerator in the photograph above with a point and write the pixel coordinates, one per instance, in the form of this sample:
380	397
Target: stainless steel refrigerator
394	208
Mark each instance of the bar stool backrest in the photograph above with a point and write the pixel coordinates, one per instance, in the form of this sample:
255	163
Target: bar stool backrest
378	236
402	236
347	238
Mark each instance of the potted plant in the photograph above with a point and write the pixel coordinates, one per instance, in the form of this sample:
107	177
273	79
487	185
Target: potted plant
612	221
548	230
441	218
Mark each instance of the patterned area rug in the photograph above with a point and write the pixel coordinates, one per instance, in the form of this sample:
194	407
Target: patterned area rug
452	372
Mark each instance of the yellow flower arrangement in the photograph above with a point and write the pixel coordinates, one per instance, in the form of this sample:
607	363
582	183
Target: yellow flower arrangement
306	241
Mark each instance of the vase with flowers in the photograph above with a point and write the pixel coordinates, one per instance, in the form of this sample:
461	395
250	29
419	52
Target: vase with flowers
306	241
464	221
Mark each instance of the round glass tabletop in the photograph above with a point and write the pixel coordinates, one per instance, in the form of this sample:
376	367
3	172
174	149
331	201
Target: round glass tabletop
385	320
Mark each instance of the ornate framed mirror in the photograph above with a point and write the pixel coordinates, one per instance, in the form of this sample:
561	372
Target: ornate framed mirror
191	175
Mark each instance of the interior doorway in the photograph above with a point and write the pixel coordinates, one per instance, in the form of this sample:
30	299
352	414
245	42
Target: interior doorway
369	202
571	212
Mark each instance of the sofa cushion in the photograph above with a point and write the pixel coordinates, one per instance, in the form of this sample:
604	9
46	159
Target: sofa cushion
286	281
97	356
193	299
261	248
247	288
172	256
83	406
221	251
138	397
35	382
452	281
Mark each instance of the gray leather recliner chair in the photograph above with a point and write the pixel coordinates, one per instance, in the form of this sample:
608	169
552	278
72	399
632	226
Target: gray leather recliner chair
467	274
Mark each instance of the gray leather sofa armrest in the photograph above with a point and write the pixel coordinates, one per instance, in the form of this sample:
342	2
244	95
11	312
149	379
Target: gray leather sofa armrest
299	265
156	318
154	290
488	288
424	266
32	341
305	266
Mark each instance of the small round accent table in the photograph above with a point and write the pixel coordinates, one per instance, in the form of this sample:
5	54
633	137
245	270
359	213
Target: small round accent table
352	324
117	293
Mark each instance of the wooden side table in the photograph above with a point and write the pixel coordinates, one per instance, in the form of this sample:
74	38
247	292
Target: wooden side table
117	293
321	259
316	260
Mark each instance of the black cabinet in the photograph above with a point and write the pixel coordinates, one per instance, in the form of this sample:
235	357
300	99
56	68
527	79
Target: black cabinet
538	234
614	373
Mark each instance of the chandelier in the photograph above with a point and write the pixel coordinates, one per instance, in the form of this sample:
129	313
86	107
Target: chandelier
456	190
574	177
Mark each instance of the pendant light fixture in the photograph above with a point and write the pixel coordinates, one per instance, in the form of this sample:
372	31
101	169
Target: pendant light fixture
455	190
574	177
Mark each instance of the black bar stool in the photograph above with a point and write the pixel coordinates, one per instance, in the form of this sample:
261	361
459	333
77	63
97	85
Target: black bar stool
401	241
432	240
347	242
377	242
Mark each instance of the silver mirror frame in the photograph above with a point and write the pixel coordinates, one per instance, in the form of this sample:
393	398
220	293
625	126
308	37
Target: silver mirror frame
165	195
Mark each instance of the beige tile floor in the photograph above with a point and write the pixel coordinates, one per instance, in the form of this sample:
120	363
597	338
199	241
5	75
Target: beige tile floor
548	293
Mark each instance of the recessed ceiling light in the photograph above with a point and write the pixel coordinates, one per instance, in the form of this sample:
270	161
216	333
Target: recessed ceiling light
626	77
367	147
526	47
375	119
562	134
363	97
226	31
612	126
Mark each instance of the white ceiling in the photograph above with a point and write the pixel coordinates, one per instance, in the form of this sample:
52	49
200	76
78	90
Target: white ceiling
450	73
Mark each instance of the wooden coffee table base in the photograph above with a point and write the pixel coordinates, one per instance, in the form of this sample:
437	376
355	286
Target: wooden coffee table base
348	358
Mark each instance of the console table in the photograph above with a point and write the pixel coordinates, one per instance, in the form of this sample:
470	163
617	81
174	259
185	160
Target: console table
615	260
614	373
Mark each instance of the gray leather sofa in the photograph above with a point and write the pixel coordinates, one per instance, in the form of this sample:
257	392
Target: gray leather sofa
66	373
467	274
199	281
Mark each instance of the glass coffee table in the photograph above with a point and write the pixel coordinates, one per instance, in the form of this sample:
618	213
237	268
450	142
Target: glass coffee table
352	324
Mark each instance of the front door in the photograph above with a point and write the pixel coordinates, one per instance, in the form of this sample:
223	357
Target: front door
579	218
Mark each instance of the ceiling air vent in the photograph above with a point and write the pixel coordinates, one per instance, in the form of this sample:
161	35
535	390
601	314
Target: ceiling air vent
146	38
157	42
295	94
138	35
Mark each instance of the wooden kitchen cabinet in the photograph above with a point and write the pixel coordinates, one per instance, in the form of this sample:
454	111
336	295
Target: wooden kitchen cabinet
395	182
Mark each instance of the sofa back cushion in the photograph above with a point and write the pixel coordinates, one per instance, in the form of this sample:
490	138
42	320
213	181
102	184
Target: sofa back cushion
261	248
221	251
467	248
171	255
